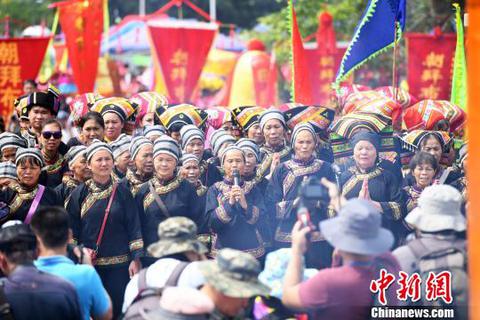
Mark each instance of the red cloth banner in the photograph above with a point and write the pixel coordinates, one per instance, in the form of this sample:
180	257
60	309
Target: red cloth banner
182	51
302	87
323	68
430	63
20	59
82	25
264	80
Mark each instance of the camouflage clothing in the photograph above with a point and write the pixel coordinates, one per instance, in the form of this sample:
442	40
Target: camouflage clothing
177	235
235	274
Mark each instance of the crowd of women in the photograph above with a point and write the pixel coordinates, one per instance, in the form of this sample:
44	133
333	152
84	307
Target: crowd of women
237	173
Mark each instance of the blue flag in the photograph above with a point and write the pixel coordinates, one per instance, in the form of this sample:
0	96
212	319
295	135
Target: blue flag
374	34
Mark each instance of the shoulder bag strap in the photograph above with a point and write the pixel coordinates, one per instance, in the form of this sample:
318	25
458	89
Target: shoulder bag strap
158	200
444	175
34	205
105	218
173	279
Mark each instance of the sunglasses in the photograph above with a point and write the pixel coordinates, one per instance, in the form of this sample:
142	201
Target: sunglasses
54	134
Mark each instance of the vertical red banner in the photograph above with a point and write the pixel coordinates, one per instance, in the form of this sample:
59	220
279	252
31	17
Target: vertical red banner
182	49
20	59
323	69
430	62
82	24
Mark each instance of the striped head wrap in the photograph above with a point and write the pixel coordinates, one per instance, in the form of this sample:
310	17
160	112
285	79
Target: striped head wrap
190	132
75	153
156	130
250	145
229	149
96	146
219	139
121	145
303	127
166	145
29	152
11	140
8	170
136	144
270	115
189	157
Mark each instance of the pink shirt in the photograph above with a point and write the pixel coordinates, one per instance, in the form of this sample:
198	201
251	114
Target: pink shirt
344	292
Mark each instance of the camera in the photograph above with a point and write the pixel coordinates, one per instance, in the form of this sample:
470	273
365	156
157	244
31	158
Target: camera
313	194
71	254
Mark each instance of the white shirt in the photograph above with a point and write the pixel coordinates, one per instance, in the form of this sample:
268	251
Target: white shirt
158	274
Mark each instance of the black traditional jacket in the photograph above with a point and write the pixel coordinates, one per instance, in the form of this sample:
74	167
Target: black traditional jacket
179	198
122	238
233	226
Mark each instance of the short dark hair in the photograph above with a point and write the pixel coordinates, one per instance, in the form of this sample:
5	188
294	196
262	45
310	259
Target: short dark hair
30	81
18	244
51	225
31	160
52	121
422	157
91	115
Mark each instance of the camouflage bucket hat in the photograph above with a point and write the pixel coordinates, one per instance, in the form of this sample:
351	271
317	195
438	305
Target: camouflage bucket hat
177	235
235	274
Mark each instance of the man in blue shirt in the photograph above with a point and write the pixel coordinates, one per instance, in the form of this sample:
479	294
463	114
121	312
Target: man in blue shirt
28	292
50	226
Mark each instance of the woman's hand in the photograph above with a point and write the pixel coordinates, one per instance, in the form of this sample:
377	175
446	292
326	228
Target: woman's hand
364	192
134	267
275	161
239	196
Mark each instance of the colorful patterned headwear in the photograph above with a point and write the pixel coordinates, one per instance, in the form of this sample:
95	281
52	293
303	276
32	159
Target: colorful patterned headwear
121	145
81	104
288	106
319	117
250	145
372	102
217	116
148	102
402	97
96	146
351	123
75	153
11	140
303	127
181	114
48	100
29	152
347	90
270	115
120	106
190	132
247	116
412	140
166	145
20	105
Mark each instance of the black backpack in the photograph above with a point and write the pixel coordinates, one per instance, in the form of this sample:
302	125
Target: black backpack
148	298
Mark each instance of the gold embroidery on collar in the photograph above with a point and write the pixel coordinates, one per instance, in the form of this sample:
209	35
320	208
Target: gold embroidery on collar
267	161
21	196
296	170
160	189
55	167
358	178
95	194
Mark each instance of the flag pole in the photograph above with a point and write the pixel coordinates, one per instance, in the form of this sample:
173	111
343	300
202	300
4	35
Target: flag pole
394	64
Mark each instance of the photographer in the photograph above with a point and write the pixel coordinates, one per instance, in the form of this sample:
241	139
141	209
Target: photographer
50	226
361	250
284	196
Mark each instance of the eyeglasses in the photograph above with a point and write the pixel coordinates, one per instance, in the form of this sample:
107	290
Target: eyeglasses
49	134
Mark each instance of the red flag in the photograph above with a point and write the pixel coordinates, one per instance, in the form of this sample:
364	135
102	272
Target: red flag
82	24
430	65
302	88
20	59
182	51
